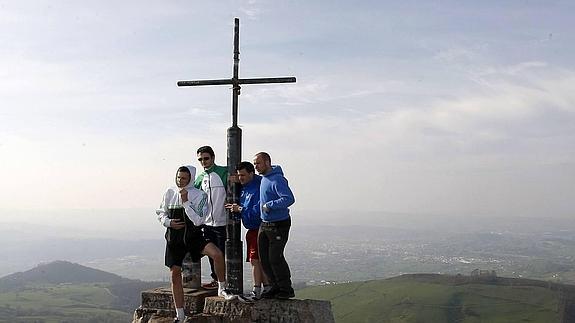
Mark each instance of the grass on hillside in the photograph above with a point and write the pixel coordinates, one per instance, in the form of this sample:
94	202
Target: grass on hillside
60	303
406	300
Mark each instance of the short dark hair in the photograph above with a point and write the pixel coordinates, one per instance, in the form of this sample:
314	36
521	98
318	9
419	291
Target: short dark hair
247	166
184	169
206	149
265	156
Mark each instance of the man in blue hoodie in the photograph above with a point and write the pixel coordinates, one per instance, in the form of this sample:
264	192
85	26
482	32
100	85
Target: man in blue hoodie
249	209
275	198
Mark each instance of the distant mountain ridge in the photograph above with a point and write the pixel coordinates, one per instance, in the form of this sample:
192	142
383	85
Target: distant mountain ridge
59	272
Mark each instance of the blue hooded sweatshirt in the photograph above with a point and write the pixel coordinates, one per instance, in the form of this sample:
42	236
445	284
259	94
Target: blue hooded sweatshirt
276	195
250	202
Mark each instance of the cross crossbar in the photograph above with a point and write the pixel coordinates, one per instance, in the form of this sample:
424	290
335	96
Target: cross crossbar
262	80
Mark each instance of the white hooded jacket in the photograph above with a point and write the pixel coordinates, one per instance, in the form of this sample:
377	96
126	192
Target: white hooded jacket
196	208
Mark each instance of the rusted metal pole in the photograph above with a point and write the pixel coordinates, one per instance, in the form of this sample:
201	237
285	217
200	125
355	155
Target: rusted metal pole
234	263
191	272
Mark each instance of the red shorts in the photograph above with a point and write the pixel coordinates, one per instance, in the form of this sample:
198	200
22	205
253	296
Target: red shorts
252	244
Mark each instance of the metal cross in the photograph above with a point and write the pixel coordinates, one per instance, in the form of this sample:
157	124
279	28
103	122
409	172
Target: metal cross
234	251
236	80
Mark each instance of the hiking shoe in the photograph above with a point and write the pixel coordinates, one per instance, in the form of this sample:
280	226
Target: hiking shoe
248	299
211	285
270	293
285	294
226	294
253	296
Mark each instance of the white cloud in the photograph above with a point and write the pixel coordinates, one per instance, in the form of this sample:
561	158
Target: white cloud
458	145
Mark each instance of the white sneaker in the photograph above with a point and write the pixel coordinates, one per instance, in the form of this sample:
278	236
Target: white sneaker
226	294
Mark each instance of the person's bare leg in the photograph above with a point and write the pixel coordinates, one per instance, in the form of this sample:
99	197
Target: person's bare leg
217	256
177	286
258	273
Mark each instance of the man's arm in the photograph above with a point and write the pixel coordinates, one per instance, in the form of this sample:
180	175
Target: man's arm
162	213
195	205
251	207
285	195
163	218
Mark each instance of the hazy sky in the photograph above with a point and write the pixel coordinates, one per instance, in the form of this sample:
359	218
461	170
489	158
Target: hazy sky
432	107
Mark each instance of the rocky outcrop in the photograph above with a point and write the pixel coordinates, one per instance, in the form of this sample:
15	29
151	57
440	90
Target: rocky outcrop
201	307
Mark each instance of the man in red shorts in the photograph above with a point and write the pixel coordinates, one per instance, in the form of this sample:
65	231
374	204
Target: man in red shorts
249	208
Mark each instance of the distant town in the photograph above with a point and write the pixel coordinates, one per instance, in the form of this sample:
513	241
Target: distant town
334	254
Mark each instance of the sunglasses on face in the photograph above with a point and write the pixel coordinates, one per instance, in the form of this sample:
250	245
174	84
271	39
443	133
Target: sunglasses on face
203	158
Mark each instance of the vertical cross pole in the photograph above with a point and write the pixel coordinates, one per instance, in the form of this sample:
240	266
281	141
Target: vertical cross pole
234	249
236	72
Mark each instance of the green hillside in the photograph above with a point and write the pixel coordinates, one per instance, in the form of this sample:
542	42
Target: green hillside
67	292
61	303
437	298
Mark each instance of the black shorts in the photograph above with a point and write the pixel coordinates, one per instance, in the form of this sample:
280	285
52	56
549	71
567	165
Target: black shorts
215	235
176	251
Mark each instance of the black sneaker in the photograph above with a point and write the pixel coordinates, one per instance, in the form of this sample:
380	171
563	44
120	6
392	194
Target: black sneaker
253	296
285	294
271	293
247	299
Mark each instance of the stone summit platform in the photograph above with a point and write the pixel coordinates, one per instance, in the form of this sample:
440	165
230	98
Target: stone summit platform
201	306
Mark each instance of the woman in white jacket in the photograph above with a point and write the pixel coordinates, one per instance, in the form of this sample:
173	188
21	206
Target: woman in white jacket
182	211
